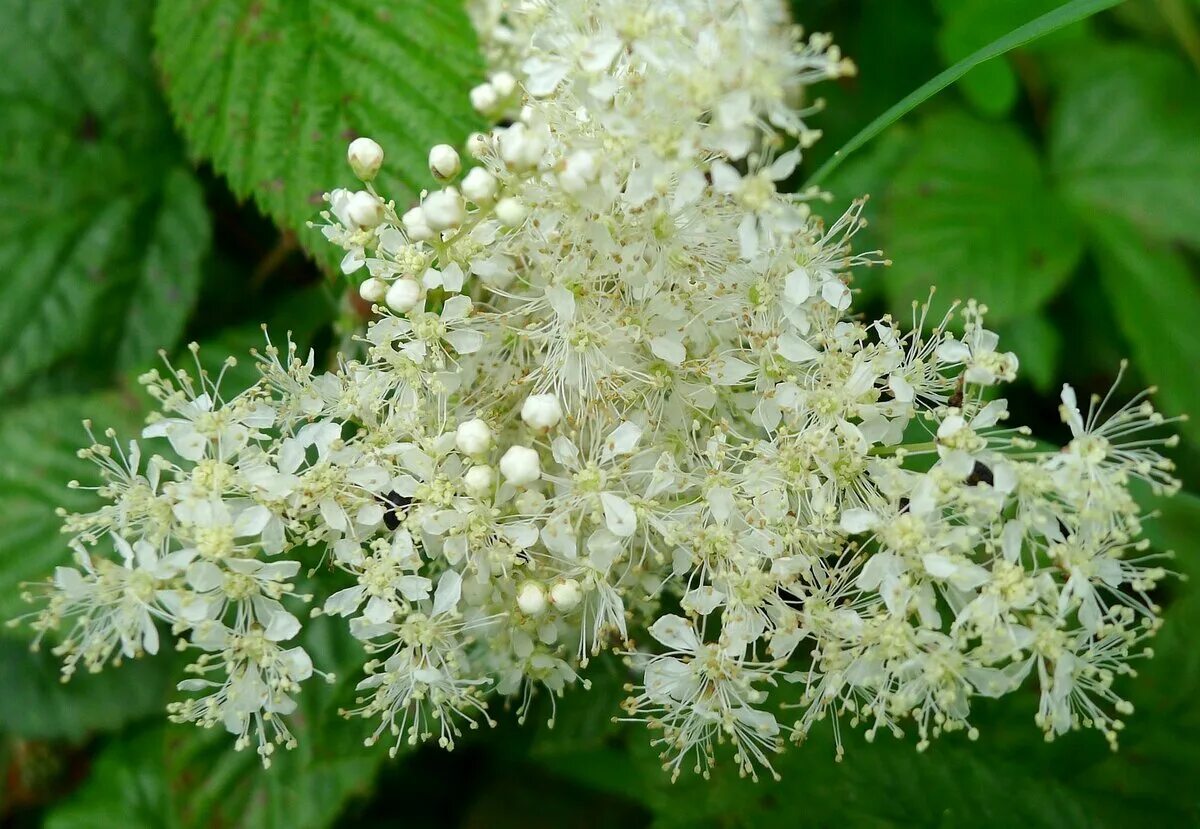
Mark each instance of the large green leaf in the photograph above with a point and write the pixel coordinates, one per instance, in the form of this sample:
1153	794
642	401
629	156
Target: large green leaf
1155	298
1126	141
102	226
183	776
35	703
971	213
270	91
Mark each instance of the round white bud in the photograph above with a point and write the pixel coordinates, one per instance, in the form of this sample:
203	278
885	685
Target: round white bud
444	162
364	209
520	465
373	290
531	598
504	83
484	98
479	480
404	295
480	186
365	157
541	411
511	211
444	209
566	595
473	437
416	226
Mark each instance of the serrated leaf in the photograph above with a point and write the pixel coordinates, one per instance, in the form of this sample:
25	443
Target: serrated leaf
1124	140
102	225
971	213
270	91
1156	301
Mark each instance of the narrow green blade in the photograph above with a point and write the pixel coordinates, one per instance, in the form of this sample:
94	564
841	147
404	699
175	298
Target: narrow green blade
1064	15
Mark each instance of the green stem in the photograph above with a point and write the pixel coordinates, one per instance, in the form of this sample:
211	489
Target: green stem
910	448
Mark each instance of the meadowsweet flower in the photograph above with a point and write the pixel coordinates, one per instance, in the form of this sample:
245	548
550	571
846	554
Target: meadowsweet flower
616	398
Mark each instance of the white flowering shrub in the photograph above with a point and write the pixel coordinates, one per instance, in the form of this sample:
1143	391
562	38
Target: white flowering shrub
616	399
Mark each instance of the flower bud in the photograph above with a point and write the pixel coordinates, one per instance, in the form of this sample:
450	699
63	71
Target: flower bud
566	595
473	437
444	209
504	83
444	162
365	157
416	226
364	209
531	598
480	186
404	295
520	465
479	480
511	211
484	98
541	411
373	290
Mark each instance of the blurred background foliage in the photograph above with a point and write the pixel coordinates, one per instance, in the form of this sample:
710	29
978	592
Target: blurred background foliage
160	162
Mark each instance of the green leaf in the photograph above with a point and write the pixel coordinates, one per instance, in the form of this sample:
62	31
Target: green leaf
1124	141
970	213
40	441
1156	300
124	790
270	91
102	225
1065	15
179	775
36	704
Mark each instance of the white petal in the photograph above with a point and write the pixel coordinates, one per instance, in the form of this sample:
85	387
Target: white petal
621	440
676	633
619	516
449	590
669	350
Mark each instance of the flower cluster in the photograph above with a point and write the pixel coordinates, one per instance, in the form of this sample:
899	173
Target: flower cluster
614	398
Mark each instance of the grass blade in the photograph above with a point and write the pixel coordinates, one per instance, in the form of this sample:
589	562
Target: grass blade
1064	15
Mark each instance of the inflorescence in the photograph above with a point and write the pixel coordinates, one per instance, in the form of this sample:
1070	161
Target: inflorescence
614	399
